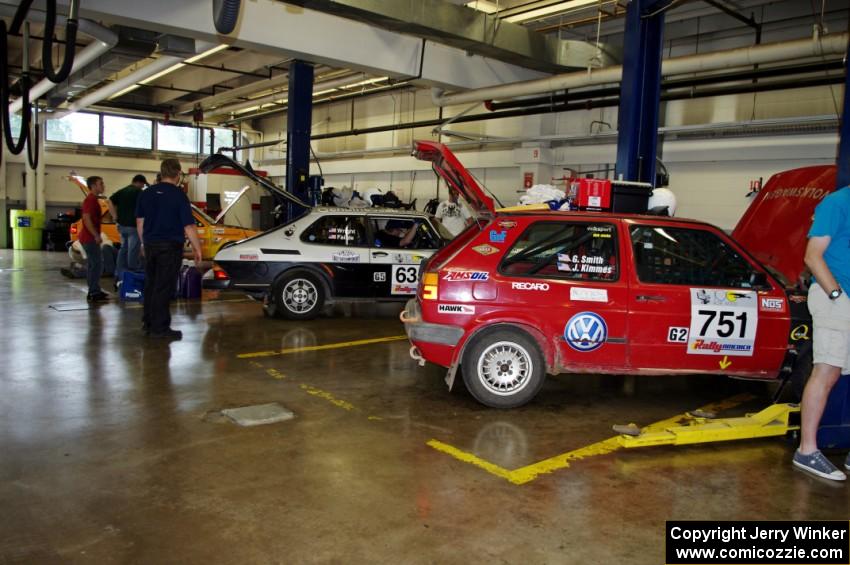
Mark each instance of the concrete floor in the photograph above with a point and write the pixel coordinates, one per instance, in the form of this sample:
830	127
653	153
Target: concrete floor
112	448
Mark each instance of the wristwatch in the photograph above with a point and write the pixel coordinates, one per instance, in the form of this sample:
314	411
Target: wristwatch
835	294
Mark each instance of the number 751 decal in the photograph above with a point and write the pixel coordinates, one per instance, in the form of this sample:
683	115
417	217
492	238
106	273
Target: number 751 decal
722	322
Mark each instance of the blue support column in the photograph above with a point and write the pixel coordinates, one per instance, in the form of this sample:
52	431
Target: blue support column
640	92
843	161
299	119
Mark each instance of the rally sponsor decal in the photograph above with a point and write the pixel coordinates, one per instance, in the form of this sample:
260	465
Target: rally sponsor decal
800	332
586	331
497	236
404	279
603	232
723	322
454	276
772	304
677	335
455	309
507	224
345	256
249	257
485	249
584	294
218	231
530	286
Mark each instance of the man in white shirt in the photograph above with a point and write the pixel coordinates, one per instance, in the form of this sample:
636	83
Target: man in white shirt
453	215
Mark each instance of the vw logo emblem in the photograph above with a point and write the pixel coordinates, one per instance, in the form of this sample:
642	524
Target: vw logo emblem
585	332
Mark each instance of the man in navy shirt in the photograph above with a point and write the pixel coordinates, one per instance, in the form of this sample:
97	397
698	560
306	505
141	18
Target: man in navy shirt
164	220
828	257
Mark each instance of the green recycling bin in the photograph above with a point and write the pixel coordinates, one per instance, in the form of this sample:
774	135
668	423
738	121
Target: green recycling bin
27	228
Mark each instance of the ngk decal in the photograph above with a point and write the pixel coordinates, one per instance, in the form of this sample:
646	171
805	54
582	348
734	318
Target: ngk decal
529	286
455	309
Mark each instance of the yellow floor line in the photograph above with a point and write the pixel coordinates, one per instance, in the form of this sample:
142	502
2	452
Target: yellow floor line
327	396
531	472
339	345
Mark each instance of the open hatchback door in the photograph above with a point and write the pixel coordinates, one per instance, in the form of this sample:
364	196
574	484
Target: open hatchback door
447	166
223	161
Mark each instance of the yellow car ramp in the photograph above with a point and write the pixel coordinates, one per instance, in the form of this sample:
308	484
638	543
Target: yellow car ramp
700	427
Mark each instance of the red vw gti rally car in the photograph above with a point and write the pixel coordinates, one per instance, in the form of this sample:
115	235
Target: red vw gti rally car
523	294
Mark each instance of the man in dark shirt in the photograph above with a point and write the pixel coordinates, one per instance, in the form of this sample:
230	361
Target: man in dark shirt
90	239
124	202
397	234
164	219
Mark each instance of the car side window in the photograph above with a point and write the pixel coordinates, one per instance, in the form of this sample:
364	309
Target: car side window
685	256
345	231
390	233
565	250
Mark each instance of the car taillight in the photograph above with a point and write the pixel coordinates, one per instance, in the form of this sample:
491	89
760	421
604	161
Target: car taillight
74	229
220	274
430	282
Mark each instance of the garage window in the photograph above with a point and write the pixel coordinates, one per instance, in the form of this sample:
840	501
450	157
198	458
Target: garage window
344	231
181	139
565	250
668	255
127	132
75	128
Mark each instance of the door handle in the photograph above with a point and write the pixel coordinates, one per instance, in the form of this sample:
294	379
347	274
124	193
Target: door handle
379	254
649	298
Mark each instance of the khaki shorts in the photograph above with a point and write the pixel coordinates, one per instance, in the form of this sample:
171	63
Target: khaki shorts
831	328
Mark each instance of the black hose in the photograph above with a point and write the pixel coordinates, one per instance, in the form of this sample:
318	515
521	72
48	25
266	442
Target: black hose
225	15
47	44
15	148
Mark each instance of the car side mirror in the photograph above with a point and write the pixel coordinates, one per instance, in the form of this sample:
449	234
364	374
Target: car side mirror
758	279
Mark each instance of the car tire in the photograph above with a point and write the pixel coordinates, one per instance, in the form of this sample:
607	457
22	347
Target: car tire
503	368
801	371
298	295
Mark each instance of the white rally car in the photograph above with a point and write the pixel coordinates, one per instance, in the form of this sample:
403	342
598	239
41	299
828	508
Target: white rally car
331	254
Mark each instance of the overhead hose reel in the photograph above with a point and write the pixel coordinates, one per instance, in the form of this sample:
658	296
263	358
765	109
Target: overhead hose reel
225	15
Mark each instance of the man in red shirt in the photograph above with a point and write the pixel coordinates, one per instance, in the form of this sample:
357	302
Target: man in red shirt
90	239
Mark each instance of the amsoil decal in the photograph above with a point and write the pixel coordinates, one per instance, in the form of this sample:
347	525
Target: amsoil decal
773	304
455	309
454	276
485	249
530	286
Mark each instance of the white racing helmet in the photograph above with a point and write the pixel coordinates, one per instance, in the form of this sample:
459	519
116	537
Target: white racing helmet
662	198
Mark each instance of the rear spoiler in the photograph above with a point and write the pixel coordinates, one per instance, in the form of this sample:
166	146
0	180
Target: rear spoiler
223	161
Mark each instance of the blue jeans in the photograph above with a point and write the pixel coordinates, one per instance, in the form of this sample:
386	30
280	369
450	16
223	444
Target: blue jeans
128	255
94	266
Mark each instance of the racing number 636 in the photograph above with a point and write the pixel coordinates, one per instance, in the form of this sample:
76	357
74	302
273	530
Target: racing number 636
723	323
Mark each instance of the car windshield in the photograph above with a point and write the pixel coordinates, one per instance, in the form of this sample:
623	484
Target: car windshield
445	234
203	215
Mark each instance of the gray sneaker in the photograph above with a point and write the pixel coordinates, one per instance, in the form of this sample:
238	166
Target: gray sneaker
847	462
817	464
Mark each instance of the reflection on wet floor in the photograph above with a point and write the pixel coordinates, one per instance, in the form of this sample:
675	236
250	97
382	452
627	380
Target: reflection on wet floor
110	452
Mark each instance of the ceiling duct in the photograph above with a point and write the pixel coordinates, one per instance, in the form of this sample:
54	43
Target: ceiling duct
133	45
472	30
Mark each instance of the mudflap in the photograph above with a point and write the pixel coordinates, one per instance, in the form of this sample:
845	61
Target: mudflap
450	375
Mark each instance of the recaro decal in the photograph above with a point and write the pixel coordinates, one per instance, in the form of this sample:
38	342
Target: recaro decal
530	286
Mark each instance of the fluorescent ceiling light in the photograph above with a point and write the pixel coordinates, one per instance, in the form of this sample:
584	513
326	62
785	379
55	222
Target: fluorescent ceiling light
161	74
549	10
200	56
365	82
483	6
130	88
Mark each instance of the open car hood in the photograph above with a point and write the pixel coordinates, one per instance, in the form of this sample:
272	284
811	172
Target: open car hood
223	161
447	166
775	227
227	208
